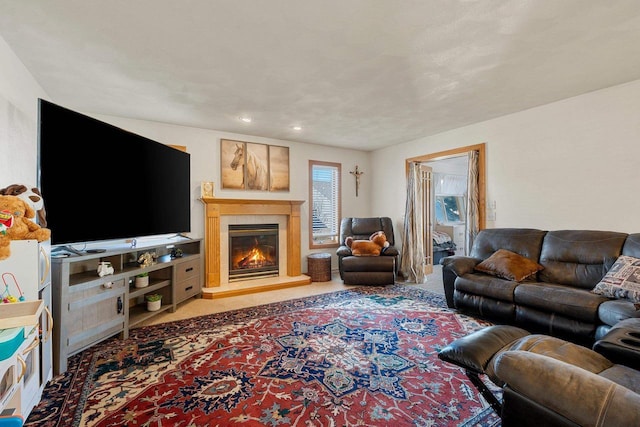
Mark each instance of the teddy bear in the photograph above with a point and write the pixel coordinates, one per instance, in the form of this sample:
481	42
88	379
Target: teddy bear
30	195
15	224
372	247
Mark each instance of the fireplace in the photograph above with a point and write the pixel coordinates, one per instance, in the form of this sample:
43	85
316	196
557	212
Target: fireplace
253	251
220	213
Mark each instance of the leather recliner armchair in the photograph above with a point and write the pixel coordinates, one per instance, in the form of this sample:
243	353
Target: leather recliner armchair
363	270
547	381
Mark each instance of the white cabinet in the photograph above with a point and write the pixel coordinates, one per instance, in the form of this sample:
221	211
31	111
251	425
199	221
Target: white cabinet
27	273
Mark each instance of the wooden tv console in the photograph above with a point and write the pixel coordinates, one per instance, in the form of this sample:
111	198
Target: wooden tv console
88	308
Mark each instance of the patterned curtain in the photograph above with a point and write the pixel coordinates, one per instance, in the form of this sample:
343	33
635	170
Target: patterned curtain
472	219
413	260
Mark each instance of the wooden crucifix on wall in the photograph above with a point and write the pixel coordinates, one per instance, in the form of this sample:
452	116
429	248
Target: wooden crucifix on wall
357	174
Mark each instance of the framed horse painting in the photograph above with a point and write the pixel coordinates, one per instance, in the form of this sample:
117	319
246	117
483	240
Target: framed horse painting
232	164
244	165
278	168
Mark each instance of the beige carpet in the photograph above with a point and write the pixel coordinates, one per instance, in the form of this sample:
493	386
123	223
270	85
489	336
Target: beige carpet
200	306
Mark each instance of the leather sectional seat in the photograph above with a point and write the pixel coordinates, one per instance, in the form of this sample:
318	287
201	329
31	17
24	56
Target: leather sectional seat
557	298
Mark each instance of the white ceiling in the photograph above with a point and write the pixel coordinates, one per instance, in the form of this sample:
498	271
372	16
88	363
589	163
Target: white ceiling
362	74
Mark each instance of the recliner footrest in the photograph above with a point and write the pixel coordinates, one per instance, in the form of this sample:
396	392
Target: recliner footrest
374	270
368	263
474	351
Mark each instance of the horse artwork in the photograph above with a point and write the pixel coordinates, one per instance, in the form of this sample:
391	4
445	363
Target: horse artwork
278	168
255	172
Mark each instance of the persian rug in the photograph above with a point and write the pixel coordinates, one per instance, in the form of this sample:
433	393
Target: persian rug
360	357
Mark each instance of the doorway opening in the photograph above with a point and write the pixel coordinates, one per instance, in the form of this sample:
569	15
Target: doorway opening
453	203
448	205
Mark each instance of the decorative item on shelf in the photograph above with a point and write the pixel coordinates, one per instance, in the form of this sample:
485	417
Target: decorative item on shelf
206	189
176	253
6	296
142	280
154	302
105	268
147	259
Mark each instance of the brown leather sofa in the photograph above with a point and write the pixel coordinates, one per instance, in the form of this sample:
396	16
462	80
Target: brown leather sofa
557	300
547	381
367	270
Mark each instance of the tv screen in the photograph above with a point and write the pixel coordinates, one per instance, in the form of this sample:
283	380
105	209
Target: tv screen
100	182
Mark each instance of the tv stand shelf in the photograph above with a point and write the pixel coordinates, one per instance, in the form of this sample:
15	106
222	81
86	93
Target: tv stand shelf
88	308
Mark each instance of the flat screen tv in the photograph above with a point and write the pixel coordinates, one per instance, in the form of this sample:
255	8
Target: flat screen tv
101	183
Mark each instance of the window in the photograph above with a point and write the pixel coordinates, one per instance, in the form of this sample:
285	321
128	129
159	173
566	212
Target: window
324	201
449	209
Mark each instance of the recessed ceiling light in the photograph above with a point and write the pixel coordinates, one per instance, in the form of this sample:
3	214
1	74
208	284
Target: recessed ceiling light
296	127
245	119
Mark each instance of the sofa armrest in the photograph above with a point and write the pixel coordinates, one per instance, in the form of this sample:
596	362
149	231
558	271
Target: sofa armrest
622	343
343	251
459	265
452	267
576	394
390	251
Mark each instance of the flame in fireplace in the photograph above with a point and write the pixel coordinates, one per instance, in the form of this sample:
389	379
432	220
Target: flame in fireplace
255	257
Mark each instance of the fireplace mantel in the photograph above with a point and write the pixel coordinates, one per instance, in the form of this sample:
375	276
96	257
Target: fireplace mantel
216	208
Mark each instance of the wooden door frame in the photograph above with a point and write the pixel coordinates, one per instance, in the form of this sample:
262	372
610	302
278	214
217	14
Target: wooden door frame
482	184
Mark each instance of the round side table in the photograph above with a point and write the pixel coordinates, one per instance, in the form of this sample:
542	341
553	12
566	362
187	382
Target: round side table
319	267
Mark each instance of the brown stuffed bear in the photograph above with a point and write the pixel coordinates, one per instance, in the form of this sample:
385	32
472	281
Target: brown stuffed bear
16	225
371	247
31	196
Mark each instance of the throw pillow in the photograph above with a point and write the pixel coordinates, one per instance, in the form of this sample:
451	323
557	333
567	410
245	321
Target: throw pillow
509	265
622	280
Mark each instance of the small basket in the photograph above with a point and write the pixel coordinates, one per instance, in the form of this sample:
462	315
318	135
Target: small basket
319	267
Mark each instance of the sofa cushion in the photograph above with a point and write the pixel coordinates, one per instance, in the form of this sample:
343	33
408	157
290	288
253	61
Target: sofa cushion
566	301
524	241
509	265
579	258
622	281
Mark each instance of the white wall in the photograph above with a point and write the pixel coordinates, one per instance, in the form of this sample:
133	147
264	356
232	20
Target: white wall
571	164
19	93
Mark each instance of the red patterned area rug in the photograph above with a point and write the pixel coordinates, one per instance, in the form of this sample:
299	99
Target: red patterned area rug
360	357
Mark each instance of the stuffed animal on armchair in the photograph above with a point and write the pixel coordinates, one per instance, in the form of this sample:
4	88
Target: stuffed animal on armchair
16	224
372	247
